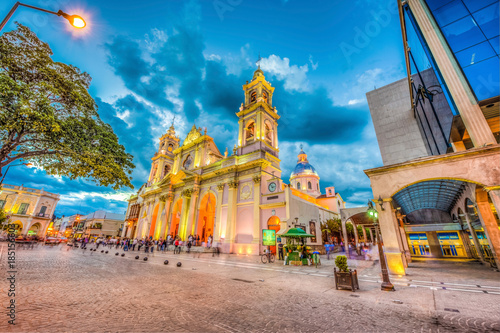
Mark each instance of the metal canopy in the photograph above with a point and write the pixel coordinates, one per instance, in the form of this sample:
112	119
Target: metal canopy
432	194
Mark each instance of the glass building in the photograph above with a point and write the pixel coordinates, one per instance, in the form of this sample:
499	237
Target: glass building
466	33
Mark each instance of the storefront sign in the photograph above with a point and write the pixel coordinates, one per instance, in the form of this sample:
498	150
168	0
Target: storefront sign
268	237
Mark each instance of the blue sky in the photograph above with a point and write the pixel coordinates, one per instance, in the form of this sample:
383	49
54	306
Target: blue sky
151	60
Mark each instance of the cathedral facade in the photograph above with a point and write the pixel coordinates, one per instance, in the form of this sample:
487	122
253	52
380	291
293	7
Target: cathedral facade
194	189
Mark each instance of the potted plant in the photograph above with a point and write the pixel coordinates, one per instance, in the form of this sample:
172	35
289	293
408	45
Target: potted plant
345	277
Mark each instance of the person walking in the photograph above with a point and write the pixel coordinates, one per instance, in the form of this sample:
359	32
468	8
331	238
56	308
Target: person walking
176	244
189	246
134	243
280	251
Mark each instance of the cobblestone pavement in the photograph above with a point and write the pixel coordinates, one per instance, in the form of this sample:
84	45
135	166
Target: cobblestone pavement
80	291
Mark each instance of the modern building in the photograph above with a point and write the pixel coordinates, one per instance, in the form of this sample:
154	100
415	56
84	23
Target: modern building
438	192
30	210
194	189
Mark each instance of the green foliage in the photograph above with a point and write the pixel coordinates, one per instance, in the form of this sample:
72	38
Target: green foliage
3	217
48	117
341	263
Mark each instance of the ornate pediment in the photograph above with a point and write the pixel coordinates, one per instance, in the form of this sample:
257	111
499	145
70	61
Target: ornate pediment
192	135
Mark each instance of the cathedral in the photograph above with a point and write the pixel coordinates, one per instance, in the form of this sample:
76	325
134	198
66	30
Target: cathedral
194	189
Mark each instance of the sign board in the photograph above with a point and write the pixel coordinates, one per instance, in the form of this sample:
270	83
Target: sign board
268	237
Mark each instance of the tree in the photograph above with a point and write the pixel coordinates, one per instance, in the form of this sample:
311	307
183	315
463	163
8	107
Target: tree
3	219
331	226
48	117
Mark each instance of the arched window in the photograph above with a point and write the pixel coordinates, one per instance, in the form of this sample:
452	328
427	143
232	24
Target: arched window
250	131
253	97
170	147
43	209
298	186
264	96
166	170
317	187
309	185
187	162
268	132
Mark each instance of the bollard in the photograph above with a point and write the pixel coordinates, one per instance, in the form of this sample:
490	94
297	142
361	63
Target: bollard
165	262
106	252
136	257
145	259
102	251
179	264
116	253
123	254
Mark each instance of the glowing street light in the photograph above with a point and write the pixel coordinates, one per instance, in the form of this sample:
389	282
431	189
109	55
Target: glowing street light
75	20
5	174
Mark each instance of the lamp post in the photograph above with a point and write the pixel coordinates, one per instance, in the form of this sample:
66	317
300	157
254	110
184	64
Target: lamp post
386	283
75	20
5	174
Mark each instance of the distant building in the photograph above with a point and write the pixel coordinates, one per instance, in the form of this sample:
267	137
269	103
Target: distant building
30	210
97	224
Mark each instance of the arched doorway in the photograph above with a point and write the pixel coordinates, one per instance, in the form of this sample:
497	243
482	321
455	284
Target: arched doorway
18	227
176	218
206	217
153	221
273	224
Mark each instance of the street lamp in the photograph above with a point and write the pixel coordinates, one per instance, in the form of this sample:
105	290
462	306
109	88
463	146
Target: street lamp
75	20
386	283
5	174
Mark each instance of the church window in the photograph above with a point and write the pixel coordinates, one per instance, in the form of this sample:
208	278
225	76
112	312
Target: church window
298	186
253	97
268	133
166	170
309	185
264	96
250	132
187	162
170	147
317	187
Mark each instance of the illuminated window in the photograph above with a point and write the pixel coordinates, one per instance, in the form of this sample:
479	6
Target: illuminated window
23	208
309	185
264	96
250	131
253	97
298	186
187	162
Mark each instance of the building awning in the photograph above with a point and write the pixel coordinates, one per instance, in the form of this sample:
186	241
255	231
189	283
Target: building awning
441	194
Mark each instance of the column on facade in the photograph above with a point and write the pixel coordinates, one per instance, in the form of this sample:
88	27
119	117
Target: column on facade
346	239
218	213
168	208
477	126
371	235
356	237
256	210
168	228
364	233
489	224
231	212
401	237
184	215
192	212
390	236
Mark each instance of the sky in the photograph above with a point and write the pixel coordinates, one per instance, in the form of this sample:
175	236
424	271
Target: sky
152	60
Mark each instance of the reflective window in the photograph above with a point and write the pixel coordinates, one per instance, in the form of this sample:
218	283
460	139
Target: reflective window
435	4
475	5
450	13
475	54
495	44
484	78
462	34
487	19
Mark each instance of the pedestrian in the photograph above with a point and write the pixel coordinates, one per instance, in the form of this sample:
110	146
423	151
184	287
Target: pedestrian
280	251
189	246
134	243
209	242
152	245
146	246
176	244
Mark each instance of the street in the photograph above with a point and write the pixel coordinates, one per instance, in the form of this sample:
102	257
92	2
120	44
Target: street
59	291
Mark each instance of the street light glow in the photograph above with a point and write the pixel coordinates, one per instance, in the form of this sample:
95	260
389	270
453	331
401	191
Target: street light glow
77	21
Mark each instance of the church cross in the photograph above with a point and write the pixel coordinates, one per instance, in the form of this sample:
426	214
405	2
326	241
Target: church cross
258	61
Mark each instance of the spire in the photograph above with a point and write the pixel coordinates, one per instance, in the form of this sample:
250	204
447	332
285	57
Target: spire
171	130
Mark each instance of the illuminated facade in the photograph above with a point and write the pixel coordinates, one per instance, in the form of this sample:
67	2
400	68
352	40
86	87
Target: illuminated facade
30	210
194	189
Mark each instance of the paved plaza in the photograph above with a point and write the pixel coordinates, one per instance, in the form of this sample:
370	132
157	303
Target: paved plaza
66	291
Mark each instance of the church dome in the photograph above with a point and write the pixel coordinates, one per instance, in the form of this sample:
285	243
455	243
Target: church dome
303	168
258	73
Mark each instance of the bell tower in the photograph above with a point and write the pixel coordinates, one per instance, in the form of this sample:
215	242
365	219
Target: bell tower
163	160
258	123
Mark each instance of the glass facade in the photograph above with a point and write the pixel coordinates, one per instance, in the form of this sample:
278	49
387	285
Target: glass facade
472	29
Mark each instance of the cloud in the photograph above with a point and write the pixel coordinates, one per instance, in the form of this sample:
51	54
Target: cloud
314	66
294	76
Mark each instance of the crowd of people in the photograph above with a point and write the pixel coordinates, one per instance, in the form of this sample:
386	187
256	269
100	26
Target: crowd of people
147	244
